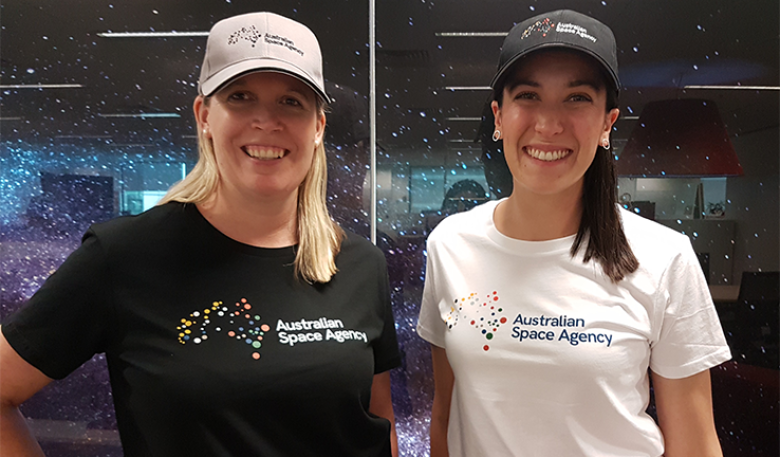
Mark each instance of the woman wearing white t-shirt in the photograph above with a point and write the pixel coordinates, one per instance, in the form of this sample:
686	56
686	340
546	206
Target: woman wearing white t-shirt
546	309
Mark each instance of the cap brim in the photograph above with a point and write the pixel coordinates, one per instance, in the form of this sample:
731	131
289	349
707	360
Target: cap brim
550	45
226	75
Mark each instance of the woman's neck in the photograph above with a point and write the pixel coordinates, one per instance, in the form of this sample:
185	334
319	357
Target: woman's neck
268	223
528	217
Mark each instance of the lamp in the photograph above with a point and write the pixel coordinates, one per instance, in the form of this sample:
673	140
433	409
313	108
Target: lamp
679	138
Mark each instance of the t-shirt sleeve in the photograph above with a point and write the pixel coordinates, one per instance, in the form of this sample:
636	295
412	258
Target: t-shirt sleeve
386	355
66	322
690	339
430	325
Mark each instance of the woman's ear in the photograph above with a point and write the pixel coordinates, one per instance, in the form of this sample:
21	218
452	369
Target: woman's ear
201	110
319	129
496	113
609	121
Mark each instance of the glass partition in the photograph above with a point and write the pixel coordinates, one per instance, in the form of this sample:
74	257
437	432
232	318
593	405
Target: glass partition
94	124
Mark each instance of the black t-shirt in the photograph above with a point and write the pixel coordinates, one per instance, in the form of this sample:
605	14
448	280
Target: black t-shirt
215	347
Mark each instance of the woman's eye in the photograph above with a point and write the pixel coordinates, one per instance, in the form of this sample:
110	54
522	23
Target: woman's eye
238	96
292	101
580	98
525	96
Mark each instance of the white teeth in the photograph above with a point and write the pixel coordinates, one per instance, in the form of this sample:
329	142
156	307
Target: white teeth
264	153
548	156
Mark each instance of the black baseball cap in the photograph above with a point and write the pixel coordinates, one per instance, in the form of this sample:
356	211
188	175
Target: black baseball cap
560	29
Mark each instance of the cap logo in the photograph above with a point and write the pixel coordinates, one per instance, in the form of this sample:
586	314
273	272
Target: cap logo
575	29
545	26
251	34
282	41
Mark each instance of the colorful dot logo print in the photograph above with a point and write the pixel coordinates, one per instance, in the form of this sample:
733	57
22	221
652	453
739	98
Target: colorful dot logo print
237	322
542	26
484	315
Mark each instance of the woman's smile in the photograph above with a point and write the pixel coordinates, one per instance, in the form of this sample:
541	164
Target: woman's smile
547	155
264	152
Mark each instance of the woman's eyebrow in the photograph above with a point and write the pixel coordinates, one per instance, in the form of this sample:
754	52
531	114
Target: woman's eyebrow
233	85
238	82
586	82
300	92
521	82
576	83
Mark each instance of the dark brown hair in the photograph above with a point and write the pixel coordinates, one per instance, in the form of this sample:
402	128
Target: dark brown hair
600	220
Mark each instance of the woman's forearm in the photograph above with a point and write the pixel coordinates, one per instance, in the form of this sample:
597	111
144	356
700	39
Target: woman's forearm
438	436
444	380
685	416
16	440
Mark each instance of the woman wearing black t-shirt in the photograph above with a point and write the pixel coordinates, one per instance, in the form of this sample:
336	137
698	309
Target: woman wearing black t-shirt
237	319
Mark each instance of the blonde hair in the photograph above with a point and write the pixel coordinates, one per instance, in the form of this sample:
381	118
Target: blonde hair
319	238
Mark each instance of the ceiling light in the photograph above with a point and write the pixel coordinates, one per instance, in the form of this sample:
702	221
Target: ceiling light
133	145
10	118
141	115
41	86
472	88
82	137
734	87
171	34
465	119
471	34
628	118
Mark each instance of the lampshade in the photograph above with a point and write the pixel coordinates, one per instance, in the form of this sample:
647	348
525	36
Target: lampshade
679	138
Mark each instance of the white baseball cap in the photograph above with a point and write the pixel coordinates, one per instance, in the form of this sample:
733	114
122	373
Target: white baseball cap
261	42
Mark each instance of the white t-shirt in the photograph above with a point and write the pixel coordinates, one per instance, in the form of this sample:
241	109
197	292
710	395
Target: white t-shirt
550	357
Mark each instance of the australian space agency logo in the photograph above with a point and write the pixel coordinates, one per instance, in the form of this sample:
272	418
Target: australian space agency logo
237	322
542	26
483	314
241	322
250	34
292	333
546	26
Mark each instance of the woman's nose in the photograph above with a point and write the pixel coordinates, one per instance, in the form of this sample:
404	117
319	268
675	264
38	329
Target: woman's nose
265	118
548	121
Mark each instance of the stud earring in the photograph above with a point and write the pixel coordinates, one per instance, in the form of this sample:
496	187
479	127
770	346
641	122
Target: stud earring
605	144
496	135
